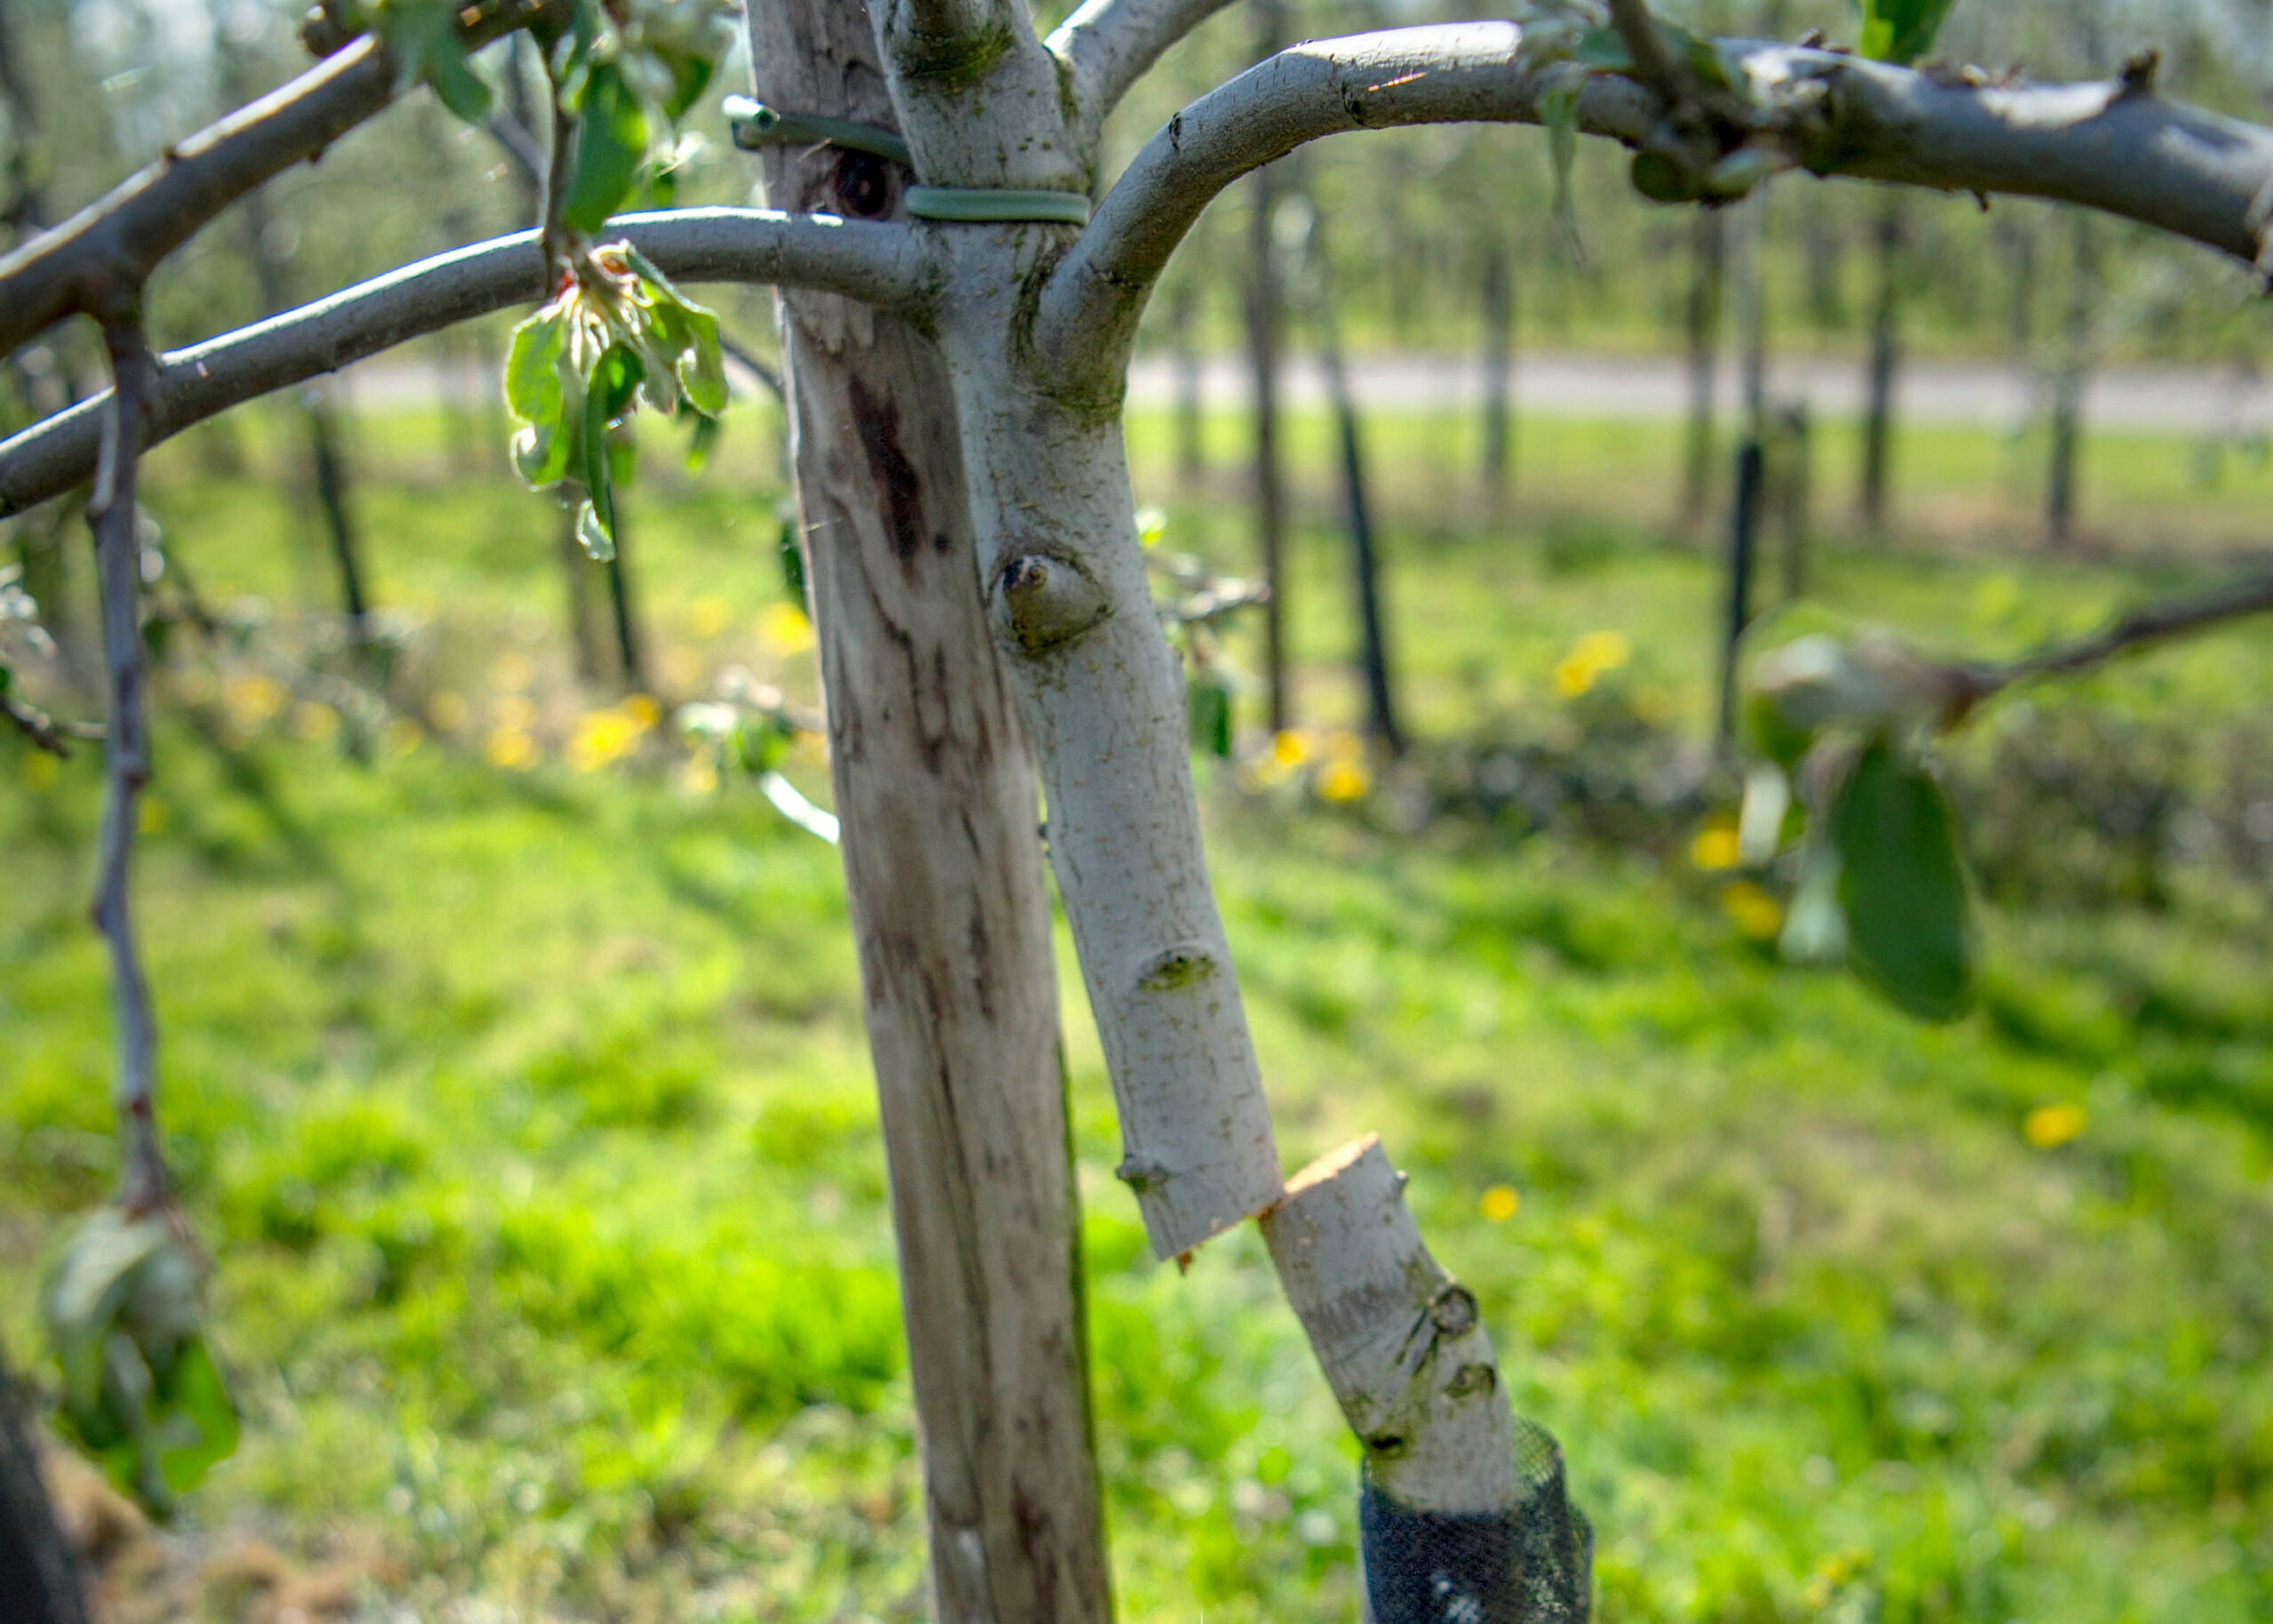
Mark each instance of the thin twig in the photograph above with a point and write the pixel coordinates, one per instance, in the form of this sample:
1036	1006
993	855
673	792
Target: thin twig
1653	65
2137	629
95	262
561	245
126	759
44	729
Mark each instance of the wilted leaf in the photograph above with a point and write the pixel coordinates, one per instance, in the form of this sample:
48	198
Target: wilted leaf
1902	885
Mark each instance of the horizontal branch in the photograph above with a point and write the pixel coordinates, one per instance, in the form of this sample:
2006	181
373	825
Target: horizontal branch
2113	145
95	262
1106	46
879	263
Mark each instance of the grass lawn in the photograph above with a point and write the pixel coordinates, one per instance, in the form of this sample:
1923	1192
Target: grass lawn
525	1112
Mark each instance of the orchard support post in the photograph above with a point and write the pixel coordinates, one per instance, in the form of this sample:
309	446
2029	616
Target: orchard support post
934	788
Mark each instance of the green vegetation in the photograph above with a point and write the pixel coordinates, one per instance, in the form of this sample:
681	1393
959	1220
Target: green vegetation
524	1109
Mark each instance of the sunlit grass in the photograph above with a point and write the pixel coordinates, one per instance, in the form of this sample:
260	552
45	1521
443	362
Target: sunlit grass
524	1110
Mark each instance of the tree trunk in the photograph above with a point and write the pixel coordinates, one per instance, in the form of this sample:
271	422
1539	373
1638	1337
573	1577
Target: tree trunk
1499	363
1190	441
935	788
1373	647
1750	218
1744	539
1263	323
39	1579
1877	415
1705	242
2068	387
327	472
1793	466
330	470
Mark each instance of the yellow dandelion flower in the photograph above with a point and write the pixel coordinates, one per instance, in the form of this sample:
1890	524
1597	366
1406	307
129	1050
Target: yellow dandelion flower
515	713
706	617
1573	675
314	720
511	673
37	770
252	699
783	629
2049	1127
1715	847
644	709
509	748
153	815
1500	1203
1344	781
1605	651
600	737
401	736
448	711
1756	913
1290	749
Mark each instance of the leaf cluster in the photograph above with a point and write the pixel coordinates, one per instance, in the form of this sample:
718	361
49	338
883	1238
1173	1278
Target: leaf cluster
1881	882
616	335
140	1389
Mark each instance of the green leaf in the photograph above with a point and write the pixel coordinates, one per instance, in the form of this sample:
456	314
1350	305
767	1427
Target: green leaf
1603	49
793	559
702	365
611	141
1209	704
455	82
763	744
533	392
599	545
701	440
1902	885
198	1429
1558	111
1900	31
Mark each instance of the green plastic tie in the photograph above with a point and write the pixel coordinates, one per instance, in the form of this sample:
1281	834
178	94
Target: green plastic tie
988	205
757	125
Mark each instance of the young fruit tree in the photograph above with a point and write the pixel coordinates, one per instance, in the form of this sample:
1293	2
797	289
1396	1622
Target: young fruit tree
960	288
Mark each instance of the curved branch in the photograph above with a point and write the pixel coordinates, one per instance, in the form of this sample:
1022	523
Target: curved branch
2111	145
95	262
880	264
1106	46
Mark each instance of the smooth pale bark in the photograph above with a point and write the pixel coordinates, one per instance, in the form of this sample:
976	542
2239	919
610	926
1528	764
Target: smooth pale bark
1072	612
1399	1340
934	788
